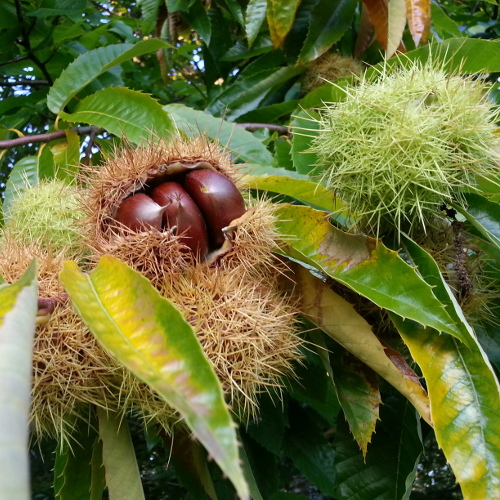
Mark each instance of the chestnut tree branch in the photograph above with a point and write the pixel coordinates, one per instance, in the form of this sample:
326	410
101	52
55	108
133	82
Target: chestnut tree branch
93	130
48	137
255	126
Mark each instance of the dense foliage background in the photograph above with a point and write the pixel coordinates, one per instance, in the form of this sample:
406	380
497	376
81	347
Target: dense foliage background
79	76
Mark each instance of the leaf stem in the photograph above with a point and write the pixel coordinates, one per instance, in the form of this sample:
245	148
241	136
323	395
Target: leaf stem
255	126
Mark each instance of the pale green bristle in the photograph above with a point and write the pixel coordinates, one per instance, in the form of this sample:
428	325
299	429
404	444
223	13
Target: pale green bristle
405	141
46	213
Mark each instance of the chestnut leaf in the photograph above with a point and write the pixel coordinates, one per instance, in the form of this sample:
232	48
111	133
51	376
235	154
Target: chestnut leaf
150	337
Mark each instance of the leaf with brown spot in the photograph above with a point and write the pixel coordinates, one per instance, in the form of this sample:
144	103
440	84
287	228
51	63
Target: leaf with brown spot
418	13
336	317
378	12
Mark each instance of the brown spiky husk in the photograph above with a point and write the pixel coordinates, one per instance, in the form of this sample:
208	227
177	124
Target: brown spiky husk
70	369
244	322
328	68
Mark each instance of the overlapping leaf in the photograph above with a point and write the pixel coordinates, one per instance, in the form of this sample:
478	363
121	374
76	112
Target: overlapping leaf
364	265
248	92
90	65
457	55
18	306
123	478
298	186
328	23
305	126
245	145
484	215
336	317
396	22
26	172
419	20
123	112
359	395
390	466
280	17
152	339
67	155
77	476
429	271
310	450
254	17
378	13
465	406
442	24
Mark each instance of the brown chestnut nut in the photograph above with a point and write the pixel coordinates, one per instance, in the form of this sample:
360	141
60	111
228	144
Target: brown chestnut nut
139	211
218	199
181	211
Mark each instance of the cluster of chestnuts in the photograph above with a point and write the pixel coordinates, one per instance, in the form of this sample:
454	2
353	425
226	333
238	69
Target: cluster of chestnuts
197	207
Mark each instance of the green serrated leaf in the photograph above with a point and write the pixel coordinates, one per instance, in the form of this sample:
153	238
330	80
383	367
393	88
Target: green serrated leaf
152	339
465	406
269	114
444	26
121	469
269	431
391	463
254	17
197	18
248	92
328	23
125	113
282	156
149	11
484	215
236	11
74	465
456	55
314	386
359	396
90	65
364	265
262	465
245	146
54	8
310	451
18	308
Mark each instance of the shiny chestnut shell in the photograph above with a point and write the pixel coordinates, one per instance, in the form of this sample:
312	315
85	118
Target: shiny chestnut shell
218	199
181	211
139	211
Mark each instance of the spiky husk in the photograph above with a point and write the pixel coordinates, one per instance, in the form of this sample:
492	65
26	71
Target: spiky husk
328	68
70	369
47	213
404	141
466	270
244	322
